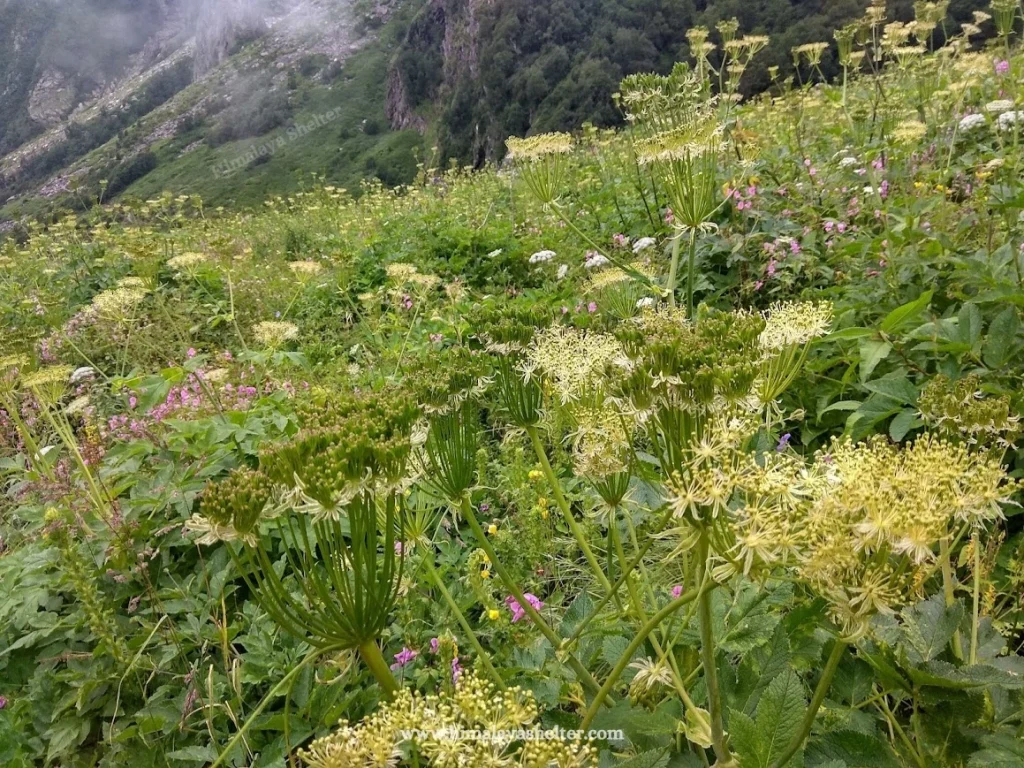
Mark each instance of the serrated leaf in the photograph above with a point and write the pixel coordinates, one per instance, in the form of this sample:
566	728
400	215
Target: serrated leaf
655	758
930	625
612	649
782	706
941	674
850	748
999	750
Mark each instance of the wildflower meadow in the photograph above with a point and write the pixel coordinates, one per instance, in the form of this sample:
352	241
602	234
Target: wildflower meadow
689	444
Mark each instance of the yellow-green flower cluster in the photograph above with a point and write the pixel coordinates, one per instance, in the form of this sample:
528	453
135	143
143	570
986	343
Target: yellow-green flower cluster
118	302
471	726
540	146
883	514
186	262
273	333
795	323
48	384
573	361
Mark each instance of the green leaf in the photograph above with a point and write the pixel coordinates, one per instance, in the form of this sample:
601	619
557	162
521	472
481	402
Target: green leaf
204	754
969	324
901	315
842	405
849	333
1001	339
999	750
895	386
655	758
850	748
761	741
930	625
902	423
872	352
941	674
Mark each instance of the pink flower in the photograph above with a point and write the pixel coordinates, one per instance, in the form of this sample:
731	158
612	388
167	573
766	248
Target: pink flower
592	307
191	352
403	657
133	401
669	216
677	590
759	285
619	240
771	268
518	612
434	645
456	671
1002	67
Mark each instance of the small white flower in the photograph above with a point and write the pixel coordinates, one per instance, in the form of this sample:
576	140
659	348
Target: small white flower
541	256
869	190
643	244
998	106
645	302
594	261
81	374
1009	119
846	162
563	271
970	122
494	253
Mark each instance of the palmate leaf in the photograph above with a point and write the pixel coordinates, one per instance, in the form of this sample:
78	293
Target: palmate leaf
759	741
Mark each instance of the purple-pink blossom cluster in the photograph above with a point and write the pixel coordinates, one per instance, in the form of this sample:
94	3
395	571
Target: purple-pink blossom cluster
518	612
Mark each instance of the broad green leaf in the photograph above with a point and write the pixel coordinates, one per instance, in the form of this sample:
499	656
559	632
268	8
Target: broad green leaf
872	352
760	742
902	423
655	758
850	748
1001	338
969	324
204	754
842	405
930	625
895	319
849	333
895	386
941	674
999	750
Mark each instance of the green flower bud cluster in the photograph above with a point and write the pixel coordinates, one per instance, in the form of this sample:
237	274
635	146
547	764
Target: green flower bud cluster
345	446
237	503
959	408
693	364
443	382
509	328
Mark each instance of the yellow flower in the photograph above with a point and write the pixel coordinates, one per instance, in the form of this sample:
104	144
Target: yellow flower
542	502
492	529
535	475
485	575
494	614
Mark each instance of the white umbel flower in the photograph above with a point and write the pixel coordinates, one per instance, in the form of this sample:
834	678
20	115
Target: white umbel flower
541	256
972	122
643	244
999	106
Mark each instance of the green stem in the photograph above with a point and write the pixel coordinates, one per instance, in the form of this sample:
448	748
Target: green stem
374	659
947	588
563	505
621	580
673	270
480	652
556	642
976	546
281	686
689	281
819	696
707	657
637	641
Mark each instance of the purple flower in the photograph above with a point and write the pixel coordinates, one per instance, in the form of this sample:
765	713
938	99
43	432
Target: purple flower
3	702
485	507
192	352
677	590
403	657
592	307
434	645
783	442
456	671
1002	67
